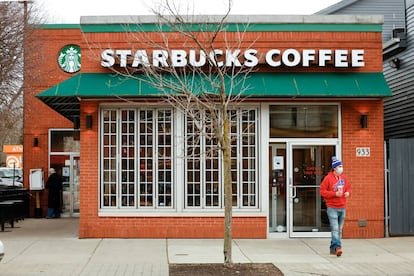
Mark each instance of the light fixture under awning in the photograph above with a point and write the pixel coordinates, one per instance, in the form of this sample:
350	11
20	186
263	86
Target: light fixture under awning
64	97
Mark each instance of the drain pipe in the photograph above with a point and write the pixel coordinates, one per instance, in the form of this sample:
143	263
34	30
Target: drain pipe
386	175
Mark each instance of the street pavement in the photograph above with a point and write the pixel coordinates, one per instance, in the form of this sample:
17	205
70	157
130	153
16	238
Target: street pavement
52	247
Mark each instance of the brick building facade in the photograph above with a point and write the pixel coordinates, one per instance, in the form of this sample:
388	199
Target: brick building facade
303	114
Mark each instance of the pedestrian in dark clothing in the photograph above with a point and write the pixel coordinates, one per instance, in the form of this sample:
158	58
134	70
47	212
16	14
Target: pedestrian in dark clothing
54	186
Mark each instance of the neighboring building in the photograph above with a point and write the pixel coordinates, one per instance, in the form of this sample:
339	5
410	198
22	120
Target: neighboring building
398	64
105	134
14	155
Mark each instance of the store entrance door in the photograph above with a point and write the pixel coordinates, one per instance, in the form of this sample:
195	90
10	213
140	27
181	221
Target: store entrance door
308	166
296	208
67	166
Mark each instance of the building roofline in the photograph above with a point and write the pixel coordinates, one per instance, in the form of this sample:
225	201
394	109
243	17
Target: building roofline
239	19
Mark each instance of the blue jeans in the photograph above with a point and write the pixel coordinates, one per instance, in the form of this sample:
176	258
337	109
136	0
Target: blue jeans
53	213
336	220
50	212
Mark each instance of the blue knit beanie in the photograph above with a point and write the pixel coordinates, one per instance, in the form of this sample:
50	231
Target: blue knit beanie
335	162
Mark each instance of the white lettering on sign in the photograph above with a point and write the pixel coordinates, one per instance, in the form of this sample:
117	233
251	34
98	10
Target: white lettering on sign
358	58
179	58
141	57
308	57
324	56
340	58
363	152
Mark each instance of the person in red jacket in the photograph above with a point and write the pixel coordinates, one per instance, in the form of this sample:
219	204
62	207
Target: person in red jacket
335	190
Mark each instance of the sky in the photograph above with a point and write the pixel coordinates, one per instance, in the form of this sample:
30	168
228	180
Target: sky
60	11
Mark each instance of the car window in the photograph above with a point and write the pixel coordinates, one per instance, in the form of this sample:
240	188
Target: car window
7	174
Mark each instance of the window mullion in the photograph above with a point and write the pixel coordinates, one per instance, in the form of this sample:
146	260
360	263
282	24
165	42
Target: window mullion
118	157
137	158
239	157
203	161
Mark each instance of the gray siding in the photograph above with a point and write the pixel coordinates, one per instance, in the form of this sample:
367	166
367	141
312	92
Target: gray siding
401	190
399	109
392	10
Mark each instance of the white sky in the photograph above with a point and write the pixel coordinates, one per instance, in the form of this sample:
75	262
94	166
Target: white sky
60	11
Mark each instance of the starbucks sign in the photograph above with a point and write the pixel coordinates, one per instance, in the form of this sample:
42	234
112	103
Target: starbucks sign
69	58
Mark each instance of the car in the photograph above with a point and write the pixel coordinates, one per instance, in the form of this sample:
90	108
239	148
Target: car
17	172
1	250
11	177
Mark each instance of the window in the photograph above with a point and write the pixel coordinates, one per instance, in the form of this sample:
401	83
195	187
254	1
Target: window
137	160
304	121
203	162
64	141
136	143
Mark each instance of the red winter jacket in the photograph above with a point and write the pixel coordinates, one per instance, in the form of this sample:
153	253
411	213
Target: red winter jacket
329	187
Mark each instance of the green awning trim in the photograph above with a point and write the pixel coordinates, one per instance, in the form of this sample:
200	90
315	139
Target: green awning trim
58	26
64	97
108	28
259	84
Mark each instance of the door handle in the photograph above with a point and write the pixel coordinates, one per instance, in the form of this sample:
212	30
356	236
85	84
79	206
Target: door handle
293	191
293	194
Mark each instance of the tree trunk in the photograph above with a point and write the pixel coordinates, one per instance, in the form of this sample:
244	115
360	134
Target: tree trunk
226	150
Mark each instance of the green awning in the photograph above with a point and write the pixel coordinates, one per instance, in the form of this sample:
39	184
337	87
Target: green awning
64	97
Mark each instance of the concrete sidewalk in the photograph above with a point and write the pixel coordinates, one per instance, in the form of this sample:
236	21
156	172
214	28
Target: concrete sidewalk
51	247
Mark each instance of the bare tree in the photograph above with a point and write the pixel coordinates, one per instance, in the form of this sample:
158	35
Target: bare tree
11	71
205	92
14	34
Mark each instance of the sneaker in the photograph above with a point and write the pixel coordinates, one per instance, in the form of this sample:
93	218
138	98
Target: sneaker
332	252
338	251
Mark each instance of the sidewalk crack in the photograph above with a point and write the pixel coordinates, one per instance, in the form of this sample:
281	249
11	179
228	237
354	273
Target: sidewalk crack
90	256
244	254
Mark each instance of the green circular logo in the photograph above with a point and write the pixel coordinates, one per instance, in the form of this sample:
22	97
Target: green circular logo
69	58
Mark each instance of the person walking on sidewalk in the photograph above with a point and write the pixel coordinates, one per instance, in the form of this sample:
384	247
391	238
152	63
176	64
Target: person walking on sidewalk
335	190
54	186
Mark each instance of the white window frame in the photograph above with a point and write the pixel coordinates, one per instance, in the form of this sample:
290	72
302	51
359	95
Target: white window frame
119	159
178	165
239	161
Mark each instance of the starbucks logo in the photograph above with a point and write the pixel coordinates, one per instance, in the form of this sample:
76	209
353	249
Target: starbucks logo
69	59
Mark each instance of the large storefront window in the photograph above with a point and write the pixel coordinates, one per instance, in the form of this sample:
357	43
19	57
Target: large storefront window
203	162
137	158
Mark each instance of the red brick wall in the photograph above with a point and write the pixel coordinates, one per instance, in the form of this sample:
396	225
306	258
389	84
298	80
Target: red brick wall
366	174
170	227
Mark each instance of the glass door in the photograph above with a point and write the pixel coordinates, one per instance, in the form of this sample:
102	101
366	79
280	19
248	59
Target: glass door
70	177
67	166
308	166
277	188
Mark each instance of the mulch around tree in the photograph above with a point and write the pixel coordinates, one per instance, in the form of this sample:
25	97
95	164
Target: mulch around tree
247	269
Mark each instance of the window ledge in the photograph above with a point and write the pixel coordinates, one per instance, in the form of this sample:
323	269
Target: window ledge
173	213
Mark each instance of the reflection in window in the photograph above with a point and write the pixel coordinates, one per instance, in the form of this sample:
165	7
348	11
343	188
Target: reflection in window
64	141
300	121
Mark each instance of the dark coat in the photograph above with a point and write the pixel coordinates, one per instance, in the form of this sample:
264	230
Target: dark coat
54	185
